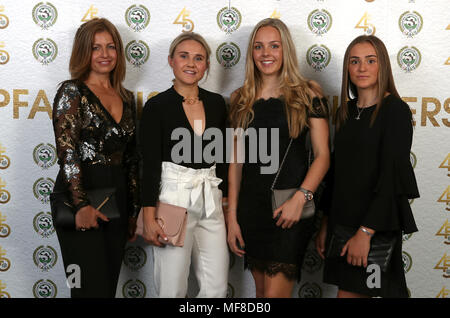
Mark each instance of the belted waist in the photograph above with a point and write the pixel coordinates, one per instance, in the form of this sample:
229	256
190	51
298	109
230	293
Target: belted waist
198	181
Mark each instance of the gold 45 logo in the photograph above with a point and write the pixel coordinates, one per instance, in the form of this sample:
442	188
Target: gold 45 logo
445	197
369	29
188	25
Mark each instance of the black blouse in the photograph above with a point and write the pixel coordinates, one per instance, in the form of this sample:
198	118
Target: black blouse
371	176
161	116
87	134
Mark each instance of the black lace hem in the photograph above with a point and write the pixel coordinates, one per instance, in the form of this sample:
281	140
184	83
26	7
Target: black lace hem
271	268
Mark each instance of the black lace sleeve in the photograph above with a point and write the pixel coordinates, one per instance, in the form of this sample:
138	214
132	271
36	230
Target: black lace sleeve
131	163
66	125
319	108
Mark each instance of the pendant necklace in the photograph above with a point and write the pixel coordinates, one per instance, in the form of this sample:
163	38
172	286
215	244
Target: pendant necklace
190	100
360	109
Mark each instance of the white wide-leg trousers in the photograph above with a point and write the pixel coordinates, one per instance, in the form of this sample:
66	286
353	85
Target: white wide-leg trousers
205	242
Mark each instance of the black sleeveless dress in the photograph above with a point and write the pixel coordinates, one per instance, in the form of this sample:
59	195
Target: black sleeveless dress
268	247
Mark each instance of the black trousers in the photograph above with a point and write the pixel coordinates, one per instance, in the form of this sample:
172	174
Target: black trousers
97	252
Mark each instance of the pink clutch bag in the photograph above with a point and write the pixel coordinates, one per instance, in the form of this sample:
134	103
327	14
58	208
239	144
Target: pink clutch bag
172	220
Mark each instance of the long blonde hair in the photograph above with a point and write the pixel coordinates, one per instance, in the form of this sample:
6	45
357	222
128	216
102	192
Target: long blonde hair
385	79
293	86
80	60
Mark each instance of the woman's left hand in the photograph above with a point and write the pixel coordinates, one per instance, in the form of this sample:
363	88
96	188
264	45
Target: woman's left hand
132	229
290	211
357	249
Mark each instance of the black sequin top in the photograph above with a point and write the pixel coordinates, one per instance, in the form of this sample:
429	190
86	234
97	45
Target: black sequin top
87	134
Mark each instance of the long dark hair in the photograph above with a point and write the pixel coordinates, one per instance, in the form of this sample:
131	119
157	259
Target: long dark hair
80	60
385	79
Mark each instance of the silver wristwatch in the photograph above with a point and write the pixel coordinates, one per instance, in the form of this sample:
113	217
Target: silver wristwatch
309	195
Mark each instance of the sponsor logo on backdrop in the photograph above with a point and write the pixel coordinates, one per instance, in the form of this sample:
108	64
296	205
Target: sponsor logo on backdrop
228	54
446	164
90	14
5	229
443	293
137	53
4	55
229	19
45	50
275	14
410	23
406	237
42	189
5	263
310	290
135	257
3	293
45	257
5	196
318	57
407	262
444	265
313	262
413	159
4	159
409	58
44	155
445	232
319	21
363	23
4	21
134	289
230	291
137	17
43	224
182	18
444	198
45	288
45	15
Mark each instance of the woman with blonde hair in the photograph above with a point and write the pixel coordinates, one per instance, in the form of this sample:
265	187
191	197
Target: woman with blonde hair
190	181
371	179
276	102
95	133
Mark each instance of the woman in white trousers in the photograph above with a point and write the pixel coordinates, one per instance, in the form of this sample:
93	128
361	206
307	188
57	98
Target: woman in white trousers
175	175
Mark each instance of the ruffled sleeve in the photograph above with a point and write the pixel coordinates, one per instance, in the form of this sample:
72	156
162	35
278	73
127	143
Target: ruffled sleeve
66	125
150	145
389	208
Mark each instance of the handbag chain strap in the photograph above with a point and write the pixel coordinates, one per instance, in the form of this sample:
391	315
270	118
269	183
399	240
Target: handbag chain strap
281	165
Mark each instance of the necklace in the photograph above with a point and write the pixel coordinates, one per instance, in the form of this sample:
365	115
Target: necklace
360	109
190	100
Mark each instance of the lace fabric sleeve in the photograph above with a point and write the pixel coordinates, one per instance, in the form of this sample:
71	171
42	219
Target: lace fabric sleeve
131	162
67	125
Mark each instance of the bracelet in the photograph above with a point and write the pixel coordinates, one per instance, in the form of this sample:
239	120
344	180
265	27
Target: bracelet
366	231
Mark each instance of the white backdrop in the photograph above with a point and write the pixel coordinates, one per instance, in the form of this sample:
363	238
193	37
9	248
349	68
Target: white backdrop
35	45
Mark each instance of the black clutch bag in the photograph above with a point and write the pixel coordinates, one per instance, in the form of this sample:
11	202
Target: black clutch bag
381	245
63	213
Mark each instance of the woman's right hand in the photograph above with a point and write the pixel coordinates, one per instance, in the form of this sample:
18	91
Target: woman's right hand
235	237
321	237
86	218
152	231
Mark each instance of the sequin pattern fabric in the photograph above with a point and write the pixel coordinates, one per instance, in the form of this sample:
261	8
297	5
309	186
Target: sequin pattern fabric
86	134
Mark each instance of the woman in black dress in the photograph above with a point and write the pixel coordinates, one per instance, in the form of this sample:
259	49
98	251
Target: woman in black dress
371	178
275	99
95	134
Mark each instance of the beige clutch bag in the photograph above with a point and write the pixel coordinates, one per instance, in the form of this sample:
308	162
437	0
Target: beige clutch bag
172	220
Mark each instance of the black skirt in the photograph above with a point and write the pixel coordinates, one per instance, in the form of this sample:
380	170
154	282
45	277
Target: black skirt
392	283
